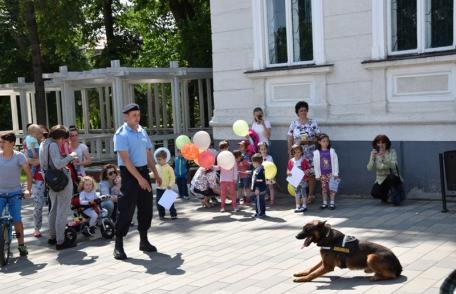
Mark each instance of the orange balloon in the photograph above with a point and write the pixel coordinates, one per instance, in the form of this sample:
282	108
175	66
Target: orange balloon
190	151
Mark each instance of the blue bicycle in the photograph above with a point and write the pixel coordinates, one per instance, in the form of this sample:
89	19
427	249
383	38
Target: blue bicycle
6	231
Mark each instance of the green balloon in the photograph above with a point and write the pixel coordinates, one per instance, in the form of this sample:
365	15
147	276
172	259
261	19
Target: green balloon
182	140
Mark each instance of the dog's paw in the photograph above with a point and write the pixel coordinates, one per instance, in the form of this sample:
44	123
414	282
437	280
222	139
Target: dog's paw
299	275
300	280
375	278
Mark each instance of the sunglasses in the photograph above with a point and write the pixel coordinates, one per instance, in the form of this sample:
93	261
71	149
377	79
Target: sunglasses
112	173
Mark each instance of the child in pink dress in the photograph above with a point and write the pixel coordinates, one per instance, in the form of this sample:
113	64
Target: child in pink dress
228	179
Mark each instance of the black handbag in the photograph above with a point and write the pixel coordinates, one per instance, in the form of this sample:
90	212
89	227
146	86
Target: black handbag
397	188
394	180
55	179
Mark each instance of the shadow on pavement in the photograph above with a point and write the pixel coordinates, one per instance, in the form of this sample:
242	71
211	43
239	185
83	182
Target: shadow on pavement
23	266
349	283
160	263
75	257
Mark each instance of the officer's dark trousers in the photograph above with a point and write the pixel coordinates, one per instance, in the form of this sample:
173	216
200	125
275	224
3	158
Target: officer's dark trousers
133	196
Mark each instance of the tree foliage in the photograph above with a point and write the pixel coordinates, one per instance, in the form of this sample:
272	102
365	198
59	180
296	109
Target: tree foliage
84	34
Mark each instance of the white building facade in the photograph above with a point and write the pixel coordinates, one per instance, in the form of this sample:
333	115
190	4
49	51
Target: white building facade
365	67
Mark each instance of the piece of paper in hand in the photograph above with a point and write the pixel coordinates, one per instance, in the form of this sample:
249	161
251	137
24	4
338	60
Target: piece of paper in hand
334	184
296	177
168	198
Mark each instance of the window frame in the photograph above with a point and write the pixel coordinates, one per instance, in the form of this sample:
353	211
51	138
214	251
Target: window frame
420	31
290	39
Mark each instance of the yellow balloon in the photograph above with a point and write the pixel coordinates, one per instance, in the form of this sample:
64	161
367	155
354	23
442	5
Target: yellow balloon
291	190
241	128
270	170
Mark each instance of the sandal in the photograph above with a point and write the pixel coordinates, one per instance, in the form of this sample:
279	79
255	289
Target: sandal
37	234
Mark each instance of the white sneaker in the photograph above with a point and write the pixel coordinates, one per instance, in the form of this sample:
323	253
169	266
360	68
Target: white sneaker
222	209
236	209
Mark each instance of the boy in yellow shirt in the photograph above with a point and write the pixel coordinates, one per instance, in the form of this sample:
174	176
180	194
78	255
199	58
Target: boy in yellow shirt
166	173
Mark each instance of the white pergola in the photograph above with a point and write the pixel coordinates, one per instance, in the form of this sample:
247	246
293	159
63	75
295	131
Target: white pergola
115	86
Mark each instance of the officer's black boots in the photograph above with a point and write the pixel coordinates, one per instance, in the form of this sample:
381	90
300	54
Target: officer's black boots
119	252
144	244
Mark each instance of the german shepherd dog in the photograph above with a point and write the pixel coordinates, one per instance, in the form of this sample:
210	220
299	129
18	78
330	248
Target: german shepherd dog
371	257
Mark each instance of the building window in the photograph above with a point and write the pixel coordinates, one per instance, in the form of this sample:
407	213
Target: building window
289	32
418	26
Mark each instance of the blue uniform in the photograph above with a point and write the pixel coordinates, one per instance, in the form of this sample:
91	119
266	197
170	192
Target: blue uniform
135	142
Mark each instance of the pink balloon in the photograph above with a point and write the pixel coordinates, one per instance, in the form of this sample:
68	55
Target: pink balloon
206	159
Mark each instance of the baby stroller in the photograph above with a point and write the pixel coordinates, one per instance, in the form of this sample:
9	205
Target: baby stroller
81	221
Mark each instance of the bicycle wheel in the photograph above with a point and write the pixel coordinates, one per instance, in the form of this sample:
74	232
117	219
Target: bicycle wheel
107	229
5	243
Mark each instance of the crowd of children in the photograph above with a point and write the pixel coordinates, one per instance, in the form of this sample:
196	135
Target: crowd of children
245	183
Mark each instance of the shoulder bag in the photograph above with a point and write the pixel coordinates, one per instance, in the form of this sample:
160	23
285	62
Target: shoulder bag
397	187
55	179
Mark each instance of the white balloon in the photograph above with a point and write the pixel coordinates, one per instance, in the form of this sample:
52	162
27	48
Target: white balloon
168	154
226	160
202	140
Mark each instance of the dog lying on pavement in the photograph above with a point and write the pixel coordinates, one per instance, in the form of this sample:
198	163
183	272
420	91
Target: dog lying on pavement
344	251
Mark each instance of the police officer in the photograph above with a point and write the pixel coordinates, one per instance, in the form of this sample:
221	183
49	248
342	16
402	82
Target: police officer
134	155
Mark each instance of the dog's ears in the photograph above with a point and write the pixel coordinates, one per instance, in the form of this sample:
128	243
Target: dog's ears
322	223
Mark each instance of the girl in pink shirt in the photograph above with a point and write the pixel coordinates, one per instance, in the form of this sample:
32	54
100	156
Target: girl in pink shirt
228	179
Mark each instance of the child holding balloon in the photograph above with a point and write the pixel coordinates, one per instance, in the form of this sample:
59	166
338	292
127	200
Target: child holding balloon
300	162
180	171
228	178
263	148
259	185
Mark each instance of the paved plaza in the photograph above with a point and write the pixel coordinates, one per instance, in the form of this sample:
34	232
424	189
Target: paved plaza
206	251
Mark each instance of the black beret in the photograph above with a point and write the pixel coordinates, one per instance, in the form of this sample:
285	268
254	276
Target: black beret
130	107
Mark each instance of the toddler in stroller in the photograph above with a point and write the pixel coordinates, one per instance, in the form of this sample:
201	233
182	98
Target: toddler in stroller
87	206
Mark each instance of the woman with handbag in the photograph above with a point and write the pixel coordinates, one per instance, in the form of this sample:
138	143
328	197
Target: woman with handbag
57	178
383	160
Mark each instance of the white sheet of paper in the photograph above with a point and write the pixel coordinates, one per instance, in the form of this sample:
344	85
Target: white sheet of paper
296	176
168	198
